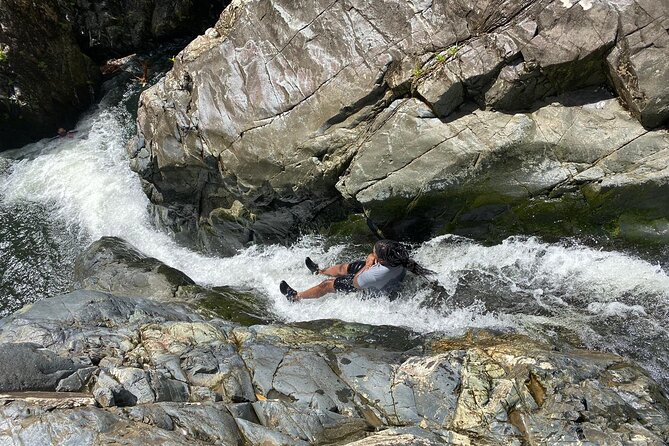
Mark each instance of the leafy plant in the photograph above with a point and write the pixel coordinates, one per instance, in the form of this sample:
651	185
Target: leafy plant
440	58
3	55
452	51
417	71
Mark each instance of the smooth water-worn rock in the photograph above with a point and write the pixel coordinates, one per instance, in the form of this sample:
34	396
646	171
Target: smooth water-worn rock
245	139
113	265
45	79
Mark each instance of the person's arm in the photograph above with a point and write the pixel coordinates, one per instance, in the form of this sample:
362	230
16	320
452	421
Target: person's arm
369	262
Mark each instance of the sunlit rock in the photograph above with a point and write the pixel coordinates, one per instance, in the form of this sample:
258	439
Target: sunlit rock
245	139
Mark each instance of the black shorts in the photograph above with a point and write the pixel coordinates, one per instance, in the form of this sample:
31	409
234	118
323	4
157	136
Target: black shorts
345	283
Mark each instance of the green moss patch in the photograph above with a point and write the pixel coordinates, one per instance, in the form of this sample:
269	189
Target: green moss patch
242	307
637	213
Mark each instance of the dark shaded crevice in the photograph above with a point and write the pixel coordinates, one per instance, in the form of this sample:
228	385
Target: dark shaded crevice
377	94
536	389
238	350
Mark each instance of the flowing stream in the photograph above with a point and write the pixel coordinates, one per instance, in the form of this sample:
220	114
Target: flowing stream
59	195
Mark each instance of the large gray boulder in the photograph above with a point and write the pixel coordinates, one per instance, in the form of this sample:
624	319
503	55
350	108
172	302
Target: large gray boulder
563	168
26	366
636	64
245	139
45	79
113	265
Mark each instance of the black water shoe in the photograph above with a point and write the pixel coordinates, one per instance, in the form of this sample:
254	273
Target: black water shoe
287	291
313	267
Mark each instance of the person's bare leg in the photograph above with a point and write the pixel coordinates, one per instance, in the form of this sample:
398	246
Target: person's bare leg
320	290
335	270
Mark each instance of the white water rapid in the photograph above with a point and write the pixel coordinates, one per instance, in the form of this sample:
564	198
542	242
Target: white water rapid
81	189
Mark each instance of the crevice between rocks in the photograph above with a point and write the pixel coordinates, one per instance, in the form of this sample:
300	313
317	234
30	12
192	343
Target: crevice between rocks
365	413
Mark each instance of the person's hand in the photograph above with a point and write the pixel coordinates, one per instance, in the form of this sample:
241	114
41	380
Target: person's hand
371	260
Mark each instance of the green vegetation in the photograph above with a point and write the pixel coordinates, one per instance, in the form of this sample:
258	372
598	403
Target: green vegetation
3	55
417	71
354	228
447	54
243	307
491	216
452	51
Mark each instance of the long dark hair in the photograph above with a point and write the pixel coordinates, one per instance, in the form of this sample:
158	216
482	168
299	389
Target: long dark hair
394	253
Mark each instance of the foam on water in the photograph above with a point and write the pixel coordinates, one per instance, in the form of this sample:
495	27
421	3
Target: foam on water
527	264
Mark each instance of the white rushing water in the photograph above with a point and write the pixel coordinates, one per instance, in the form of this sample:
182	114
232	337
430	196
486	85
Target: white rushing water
522	284
86	183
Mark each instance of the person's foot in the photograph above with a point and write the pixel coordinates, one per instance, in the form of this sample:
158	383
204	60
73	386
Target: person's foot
313	266
287	291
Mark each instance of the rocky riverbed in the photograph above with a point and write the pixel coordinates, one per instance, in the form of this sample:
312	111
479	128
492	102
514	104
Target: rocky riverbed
415	119
133	357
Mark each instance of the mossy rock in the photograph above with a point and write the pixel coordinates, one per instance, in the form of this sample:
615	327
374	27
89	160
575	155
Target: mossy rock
385	336
637	228
637	213
244	307
355	229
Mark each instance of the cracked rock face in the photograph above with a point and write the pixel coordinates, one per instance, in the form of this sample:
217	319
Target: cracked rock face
170	377
491	162
245	139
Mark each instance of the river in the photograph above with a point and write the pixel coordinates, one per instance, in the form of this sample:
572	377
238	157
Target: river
58	195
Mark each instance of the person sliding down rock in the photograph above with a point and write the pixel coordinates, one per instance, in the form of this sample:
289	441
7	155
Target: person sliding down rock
383	270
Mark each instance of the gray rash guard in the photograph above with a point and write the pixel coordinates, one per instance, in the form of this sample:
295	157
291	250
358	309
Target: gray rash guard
380	277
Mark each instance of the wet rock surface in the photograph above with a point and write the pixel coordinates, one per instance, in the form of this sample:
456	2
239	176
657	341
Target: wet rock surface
94	368
245	139
111	265
114	266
